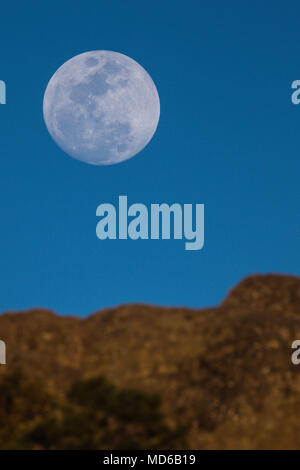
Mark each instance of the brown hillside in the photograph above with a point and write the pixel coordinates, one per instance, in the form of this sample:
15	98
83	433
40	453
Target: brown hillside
224	374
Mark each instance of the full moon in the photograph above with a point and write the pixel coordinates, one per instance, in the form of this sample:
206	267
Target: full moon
101	107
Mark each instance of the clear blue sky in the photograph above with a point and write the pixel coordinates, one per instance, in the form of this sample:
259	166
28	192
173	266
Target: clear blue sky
228	137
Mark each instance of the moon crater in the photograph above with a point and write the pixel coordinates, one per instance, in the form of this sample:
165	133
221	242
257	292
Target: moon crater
101	107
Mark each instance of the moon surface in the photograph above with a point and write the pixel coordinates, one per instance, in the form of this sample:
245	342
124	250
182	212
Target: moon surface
101	107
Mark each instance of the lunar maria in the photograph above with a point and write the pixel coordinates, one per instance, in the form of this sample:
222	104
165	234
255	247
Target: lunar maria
161	221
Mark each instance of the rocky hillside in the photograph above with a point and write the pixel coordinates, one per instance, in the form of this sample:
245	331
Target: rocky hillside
214	378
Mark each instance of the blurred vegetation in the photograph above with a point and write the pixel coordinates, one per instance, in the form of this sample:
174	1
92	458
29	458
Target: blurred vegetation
94	414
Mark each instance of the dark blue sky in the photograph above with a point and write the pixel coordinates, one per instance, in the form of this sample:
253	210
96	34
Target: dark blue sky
228	137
